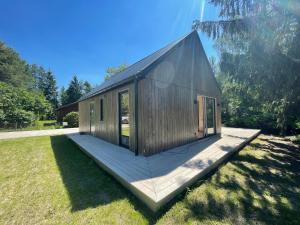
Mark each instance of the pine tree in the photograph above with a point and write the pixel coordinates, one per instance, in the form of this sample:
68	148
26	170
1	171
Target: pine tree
74	91
50	89
87	87
260	53
63	97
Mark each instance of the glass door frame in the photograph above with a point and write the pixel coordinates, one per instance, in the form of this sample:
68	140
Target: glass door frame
120	93
205	115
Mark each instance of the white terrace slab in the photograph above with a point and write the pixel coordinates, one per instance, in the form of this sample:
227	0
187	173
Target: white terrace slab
158	178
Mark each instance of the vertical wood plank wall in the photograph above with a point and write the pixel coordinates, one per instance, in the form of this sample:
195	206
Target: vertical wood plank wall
167	117
168	104
108	129
168	99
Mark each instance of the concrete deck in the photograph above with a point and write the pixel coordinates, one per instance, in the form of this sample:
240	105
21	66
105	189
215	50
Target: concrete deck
35	133
158	178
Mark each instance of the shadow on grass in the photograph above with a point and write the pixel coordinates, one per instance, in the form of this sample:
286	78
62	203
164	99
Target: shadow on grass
268	194
87	185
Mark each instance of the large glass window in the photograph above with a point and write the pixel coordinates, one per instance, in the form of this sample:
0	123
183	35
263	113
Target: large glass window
210	115
124	119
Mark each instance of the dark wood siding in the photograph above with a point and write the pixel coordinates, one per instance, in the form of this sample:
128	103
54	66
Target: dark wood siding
167	117
108	129
168	106
64	110
168	96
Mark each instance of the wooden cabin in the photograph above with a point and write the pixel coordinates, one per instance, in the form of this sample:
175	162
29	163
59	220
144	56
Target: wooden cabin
62	111
168	99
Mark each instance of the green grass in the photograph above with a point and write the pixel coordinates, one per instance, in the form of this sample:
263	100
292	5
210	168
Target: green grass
296	139
37	125
48	180
126	131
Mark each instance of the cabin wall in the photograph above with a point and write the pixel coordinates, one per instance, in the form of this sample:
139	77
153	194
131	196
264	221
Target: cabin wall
168	106
108	129
63	111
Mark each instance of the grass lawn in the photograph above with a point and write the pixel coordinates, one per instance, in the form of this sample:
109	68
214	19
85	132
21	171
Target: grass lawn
126	131
48	180
38	125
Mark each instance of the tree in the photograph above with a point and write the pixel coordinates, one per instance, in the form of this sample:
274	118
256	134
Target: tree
50	89
260	60
213	63
13	70
74	91
72	118
38	73
110	71
63	96
20	107
87	87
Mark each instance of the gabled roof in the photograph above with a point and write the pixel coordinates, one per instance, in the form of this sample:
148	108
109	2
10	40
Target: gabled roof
130	72
67	105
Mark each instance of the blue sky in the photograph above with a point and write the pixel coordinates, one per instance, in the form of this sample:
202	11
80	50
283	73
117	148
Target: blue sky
86	37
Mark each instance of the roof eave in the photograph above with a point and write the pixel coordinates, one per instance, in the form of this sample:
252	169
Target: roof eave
122	82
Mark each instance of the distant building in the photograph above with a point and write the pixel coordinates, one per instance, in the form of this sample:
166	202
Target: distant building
167	99
62	111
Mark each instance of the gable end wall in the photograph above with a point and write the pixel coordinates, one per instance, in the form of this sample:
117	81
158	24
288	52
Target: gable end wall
168	109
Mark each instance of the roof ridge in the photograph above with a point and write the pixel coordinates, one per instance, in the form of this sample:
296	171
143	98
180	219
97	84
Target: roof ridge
130	71
170	44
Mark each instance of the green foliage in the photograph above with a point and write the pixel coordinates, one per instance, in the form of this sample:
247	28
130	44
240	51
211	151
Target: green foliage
87	87
13	69
35	125
45	83
72	118
110	71
259	64
38	73
49	88
297	139
19	107
19	117
63	96
74	91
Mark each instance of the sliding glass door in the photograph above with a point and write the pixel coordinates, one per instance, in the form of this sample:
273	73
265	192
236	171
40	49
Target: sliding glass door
206	116
124	122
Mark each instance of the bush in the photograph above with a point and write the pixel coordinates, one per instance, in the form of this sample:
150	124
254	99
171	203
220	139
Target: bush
2	118
19	107
72	119
20	118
